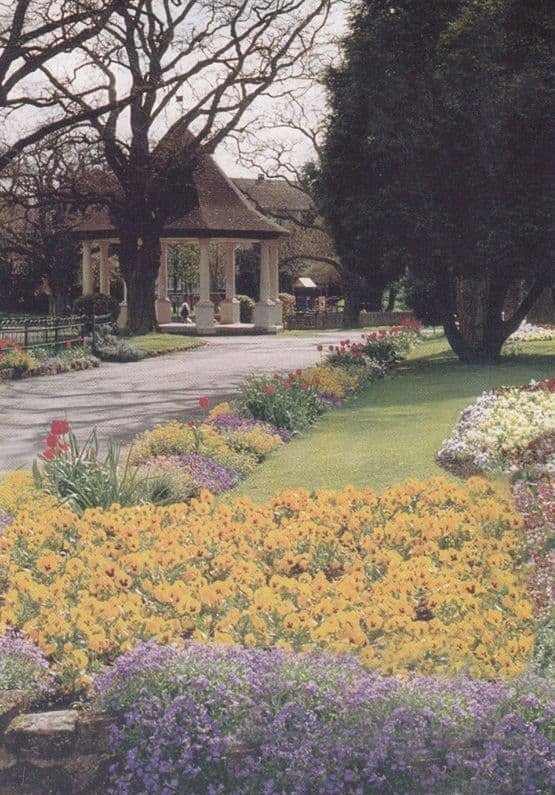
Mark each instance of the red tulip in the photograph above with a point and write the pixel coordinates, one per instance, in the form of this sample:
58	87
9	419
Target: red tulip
59	427
49	454
203	402
270	390
52	440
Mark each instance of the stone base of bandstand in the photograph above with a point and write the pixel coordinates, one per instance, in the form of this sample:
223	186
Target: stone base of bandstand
123	316
264	317
230	312
163	310
204	318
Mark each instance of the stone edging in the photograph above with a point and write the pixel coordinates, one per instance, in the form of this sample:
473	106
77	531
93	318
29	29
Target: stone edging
66	752
75	365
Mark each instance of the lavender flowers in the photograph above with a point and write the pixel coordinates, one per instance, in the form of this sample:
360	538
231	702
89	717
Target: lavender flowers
229	720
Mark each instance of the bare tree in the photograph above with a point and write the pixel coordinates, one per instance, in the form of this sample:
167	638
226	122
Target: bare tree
34	35
216	58
40	222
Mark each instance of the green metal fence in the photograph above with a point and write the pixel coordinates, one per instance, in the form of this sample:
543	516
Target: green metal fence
47	333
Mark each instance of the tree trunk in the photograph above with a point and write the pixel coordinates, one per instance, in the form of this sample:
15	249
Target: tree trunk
474	323
352	308
372	297
140	262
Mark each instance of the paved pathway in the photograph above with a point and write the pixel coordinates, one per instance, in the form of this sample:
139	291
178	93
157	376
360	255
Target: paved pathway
123	399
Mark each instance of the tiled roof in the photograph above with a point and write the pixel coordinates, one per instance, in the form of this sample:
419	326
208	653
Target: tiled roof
275	196
221	211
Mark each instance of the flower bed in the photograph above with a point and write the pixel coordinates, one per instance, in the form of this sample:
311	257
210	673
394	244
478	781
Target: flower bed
426	577
201	719
18	363
529	332
495	432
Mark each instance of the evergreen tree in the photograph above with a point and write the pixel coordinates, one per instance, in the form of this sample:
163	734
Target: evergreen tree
437	157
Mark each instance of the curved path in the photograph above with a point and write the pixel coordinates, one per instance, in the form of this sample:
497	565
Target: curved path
123	399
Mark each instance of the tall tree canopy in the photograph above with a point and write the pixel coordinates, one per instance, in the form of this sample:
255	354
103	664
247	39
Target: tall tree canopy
438	156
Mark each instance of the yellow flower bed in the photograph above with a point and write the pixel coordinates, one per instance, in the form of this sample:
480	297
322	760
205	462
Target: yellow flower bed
174	437
18	491
425	577
335	381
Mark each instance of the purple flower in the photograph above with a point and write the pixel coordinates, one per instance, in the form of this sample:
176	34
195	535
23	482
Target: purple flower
234	422
232	720
23	666
206	473
5	520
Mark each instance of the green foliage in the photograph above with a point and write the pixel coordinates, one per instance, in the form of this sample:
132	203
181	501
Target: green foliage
435	156
290	403
246	308
78	477
423	297
288	302
98	304
164	486
110	348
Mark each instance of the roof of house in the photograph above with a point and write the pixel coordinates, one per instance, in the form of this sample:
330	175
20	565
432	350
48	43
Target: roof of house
275	196
221	210
305	282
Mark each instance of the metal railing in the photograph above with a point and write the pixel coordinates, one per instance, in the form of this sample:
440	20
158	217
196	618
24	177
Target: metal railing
47	333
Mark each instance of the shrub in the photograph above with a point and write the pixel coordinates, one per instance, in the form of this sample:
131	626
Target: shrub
200	719
288	302
111	348
426	577
24	667
164	484
246	308
75	475
97	304
289	402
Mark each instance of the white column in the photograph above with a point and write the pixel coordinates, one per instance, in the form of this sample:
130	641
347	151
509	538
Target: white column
104	268
264	309
163	303
230	309
86	269
123	315
274	283
204	310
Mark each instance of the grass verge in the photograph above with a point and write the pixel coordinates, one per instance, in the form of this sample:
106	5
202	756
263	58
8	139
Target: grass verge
392	430
157	344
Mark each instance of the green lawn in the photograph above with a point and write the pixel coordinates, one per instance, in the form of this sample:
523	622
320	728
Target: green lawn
392	430
161	343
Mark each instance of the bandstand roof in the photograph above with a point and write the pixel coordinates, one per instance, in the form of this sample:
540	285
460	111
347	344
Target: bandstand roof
221	211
